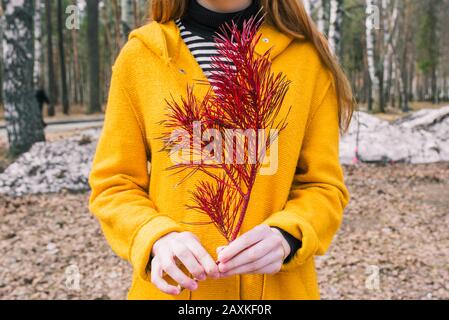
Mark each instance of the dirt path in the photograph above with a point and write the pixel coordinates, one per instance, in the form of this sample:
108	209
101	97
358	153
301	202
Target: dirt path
62	127
396	225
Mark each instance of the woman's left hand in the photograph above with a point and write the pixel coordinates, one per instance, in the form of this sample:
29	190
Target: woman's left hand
260	250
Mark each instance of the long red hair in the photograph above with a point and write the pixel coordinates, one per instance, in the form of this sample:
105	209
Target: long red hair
290	17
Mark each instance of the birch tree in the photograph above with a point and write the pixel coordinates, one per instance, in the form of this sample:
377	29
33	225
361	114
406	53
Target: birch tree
62	64
335	25
308	6
372	16
391	61
311	6
127	18
321	15
37	74
23	122
50	66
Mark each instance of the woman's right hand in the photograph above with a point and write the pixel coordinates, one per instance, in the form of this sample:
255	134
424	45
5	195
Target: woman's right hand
186	247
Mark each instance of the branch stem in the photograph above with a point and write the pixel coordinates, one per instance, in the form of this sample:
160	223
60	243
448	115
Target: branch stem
246	199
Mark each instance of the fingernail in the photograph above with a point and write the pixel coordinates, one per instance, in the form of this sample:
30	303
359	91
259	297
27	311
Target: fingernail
178	289
219	249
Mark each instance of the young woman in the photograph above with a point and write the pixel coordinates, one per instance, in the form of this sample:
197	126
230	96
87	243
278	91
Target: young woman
293	214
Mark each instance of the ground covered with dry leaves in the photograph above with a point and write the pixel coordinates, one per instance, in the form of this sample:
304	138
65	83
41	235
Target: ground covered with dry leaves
393	244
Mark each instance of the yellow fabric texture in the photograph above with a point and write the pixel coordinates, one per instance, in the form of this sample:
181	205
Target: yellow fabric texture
137	201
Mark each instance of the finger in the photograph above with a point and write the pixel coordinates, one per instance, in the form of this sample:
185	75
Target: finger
269	269
256	267
251	254
244	241
159	282
219	249
187	258
200	253
169	266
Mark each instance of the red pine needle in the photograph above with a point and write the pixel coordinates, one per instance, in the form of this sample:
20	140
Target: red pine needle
246	95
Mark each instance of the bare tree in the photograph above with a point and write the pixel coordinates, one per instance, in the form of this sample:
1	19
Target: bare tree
391	60
373	101
117	27
38	44
78	83
1	50
93	56
308	6
62	65
127	18
335	25
321	15
50	61
23	121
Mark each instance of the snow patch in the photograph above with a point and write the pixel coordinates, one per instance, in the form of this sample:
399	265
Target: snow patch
422	137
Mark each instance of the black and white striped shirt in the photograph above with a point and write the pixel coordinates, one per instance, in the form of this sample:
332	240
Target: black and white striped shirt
202	49
199	25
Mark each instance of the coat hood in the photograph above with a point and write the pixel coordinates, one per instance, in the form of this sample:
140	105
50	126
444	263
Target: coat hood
164	39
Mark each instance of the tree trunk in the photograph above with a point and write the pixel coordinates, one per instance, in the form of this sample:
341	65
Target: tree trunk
308	6
445	88
108	53
390	38
38	45
117	28
403	89
321	23
127	18
23	121
62	65
1	50
335	26
404	75
374	102
78	80
50	66
434	85
136	13
93	56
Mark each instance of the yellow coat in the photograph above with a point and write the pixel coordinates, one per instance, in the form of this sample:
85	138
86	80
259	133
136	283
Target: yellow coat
306	197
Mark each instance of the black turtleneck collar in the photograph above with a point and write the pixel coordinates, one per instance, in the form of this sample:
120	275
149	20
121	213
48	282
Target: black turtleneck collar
206	22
